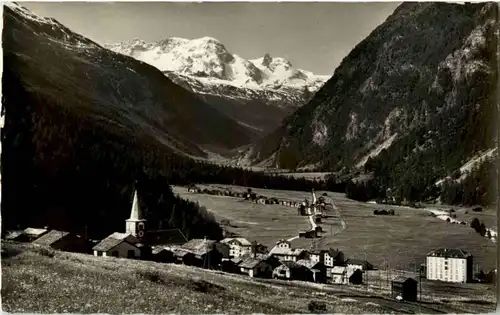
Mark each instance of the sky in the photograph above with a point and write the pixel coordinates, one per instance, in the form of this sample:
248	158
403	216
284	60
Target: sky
313	36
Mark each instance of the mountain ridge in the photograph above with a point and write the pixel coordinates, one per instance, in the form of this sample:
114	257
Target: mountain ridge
257	93
398	104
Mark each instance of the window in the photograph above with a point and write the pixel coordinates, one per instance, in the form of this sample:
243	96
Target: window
131	254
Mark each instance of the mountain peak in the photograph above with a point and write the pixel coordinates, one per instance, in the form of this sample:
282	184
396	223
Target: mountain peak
266	60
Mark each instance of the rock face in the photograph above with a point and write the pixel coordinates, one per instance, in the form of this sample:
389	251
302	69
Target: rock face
419	89
257	93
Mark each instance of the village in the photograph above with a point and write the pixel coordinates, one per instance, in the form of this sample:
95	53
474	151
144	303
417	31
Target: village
239	255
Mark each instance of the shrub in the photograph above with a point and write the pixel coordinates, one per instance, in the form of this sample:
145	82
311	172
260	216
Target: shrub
317	307
45	252
151	275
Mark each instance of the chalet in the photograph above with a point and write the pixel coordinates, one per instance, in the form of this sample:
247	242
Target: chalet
123	245
238	246
334	257
64	241
256	267
318	269
404	289
162	254
362	265
290	270
209	253
26	235
185	257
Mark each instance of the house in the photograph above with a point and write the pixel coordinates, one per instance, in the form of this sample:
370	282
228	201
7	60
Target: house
162	254
450	265
334	257
209	253
404	289
64	241
123	245
318	255
256	267
318	230
185	257
228	265
338	275
17	236
26	235
238	246
290	270
318	269
288	254
355	277
192	189
363	265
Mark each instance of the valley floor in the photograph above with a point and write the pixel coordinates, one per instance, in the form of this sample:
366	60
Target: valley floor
39	280
398	241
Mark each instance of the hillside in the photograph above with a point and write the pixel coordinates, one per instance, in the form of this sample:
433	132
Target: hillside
257	93
36	280
83	123
415	97
118	91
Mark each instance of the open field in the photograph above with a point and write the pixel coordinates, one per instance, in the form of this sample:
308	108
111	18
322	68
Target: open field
398	240
37	280
264	223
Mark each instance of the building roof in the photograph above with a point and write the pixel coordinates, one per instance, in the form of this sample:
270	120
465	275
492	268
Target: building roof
33	231
401	279
333	252
250	263
199	246
307	263
114	240
180	252
359	262
287	251
241	240
10	235
449	253
291	264
338	270
136	213
158	249
51	237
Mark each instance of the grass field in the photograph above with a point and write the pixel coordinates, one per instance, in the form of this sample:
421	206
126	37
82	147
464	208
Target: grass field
397	240
36	280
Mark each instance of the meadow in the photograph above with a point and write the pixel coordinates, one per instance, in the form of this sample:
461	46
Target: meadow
396	241
41	280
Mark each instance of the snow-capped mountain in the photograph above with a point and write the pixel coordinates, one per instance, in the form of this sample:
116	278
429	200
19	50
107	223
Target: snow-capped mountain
258	93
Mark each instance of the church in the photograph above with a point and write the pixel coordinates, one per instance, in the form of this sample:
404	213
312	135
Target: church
138	240
129	244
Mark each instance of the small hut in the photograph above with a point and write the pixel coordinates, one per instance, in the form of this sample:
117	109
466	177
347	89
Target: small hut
406	288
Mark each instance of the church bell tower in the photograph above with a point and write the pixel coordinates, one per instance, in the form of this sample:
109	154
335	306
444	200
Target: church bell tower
136	224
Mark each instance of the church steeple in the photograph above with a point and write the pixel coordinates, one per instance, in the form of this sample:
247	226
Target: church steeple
136	224
136	213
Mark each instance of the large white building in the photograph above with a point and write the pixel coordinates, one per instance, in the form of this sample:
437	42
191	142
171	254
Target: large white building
450	265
